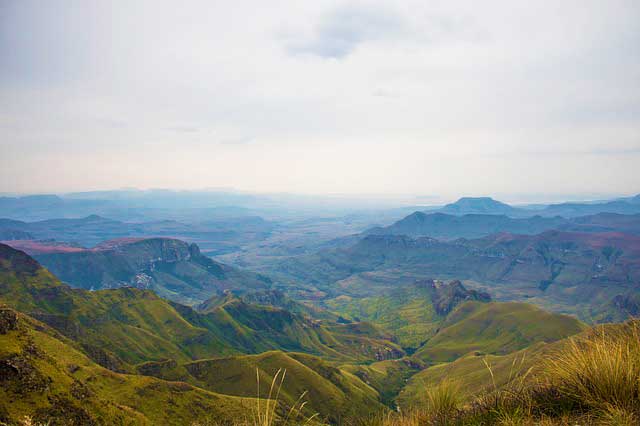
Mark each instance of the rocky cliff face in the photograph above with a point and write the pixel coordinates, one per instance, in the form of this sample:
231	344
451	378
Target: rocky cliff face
172	268
446	296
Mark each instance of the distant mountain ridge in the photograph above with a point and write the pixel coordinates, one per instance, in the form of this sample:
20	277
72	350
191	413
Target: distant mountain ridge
487	205
216	235
554	268
122	327
449	227
478	205
174	269
127	356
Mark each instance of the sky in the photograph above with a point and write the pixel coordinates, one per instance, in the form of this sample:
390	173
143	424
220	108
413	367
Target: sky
321	97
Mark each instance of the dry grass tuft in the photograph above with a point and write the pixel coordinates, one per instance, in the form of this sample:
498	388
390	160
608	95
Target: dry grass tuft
602	372
443	401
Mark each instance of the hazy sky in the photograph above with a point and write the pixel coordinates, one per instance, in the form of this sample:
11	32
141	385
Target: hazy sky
410	97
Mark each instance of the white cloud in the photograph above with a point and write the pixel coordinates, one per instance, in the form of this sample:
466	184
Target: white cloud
324	96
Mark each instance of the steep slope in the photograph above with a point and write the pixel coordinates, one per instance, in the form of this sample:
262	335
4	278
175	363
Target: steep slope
126	326
43	376
478	373
473	375
558	270
411	312
333	393
259	328
388	377
274	298
172	268
495	328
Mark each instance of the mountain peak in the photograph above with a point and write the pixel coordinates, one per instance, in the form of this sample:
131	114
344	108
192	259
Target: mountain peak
482	205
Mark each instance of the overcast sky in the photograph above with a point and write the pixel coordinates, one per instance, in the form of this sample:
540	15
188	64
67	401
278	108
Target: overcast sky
408	97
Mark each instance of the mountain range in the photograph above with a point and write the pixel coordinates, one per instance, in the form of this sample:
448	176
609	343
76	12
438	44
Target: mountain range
105	321
487	205
450	227
566	271
172	268
118	355
214	235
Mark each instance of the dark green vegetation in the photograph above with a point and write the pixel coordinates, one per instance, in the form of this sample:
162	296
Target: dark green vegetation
172	268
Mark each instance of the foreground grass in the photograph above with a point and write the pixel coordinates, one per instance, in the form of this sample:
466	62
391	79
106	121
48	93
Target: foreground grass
592	380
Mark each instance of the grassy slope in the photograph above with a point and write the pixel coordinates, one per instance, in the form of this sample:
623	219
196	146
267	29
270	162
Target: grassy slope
408	313
478	374
387	377
331	392
259	328
125	326
496	328
472	374
45	377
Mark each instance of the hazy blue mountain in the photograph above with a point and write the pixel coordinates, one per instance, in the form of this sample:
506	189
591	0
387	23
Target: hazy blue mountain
487	205
478	205
582	209
215	235
444	226
555	269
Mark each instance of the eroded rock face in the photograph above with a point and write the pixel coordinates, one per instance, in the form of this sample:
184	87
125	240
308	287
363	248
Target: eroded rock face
8	320
386	353
448	296
445	297
18	374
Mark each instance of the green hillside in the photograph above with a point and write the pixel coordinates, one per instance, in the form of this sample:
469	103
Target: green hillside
43	376
330	391
411	312
473	375
126	326
387	377
495	328
127	356
603	363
